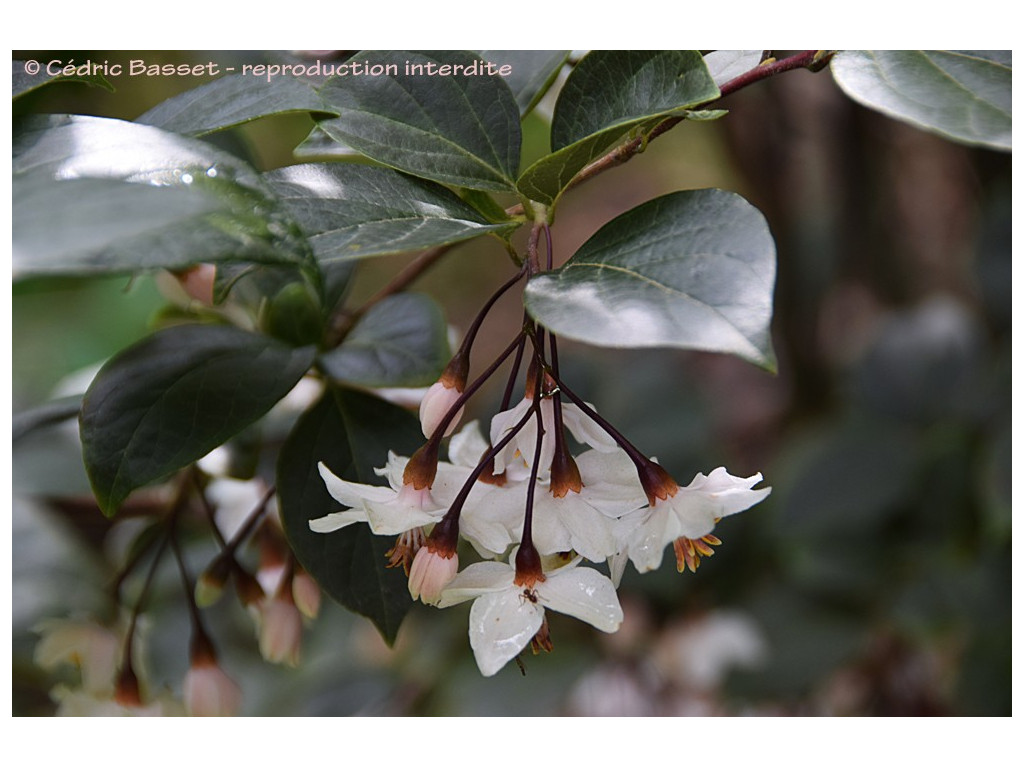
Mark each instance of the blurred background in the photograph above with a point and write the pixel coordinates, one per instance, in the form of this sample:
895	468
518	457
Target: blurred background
875	580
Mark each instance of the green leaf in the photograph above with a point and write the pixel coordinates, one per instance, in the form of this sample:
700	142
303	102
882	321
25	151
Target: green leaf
608	94
691	269
354	211
22	82
294	316
351	433
175	396
453	128
962	95
726	65
232	100
400	342
133	197
318	145
532	73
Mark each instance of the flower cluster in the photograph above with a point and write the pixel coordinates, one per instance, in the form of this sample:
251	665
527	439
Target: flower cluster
533	512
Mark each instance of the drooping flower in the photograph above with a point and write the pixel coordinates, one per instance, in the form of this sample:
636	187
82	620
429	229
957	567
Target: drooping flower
399	507
279	628
306	593
432	570
676	512
209	692
507	613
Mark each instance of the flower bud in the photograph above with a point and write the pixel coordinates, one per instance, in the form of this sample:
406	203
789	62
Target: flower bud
306	593
210	584
280	629
440	399
443	394
432	569
209	692
249	590
198	282
126	690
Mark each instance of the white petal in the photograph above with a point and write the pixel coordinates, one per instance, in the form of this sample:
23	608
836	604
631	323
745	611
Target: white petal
500	426
337	520
610	482
610	467
690	515
393	517
492	517
489	537
467	447
647	542
352	494
727	493
448	482
591	531
617	566
500	626
549	532
586	430
475	580
584	593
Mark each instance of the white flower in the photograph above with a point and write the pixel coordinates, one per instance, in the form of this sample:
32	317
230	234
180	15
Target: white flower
516	458
389	510
397	508
505	616
689	513
94	649
583	521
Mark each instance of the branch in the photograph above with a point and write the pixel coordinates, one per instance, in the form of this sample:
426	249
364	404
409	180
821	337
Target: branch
344	321
804	60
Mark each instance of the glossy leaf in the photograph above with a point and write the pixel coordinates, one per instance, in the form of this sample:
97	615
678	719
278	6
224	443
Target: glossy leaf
132	197
353	211
691	269
94	234
351	433
294	315
318	145
726	65
400	342
962	95
232	100
175	396
532	73
455	129
608	94
22	82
